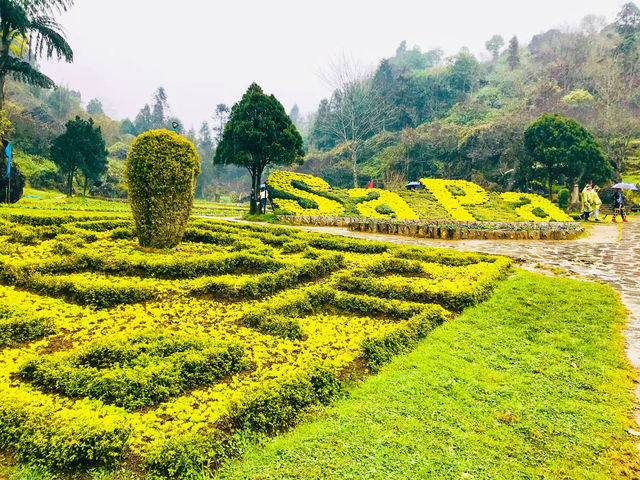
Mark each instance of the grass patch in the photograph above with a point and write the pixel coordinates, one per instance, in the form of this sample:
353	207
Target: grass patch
531	384
55	200
258	217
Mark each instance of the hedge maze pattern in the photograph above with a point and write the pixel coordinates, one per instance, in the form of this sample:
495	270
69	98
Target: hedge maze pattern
111	352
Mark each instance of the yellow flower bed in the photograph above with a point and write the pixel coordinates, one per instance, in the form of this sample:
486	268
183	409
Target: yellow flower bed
280	180
333	327
393	200
536	201
473	195
452	195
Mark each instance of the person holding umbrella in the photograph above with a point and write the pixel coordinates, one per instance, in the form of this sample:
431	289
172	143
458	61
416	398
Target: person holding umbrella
618	204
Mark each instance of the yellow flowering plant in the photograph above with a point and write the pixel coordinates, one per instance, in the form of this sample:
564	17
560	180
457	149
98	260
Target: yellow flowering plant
370	208
240	330
453	204
525	212
282	181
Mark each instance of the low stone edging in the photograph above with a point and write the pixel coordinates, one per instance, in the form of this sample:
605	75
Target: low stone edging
447	229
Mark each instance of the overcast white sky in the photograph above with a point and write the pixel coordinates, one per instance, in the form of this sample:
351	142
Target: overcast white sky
206	52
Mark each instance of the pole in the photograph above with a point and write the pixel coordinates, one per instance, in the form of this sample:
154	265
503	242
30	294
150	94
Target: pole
7	151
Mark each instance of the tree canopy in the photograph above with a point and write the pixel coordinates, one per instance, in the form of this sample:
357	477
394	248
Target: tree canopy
259	134
561	147
80	148
28	29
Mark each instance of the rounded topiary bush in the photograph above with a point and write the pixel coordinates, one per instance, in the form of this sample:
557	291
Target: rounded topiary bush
160	174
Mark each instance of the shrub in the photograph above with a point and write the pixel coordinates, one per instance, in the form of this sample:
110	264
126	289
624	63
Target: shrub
279	406
61	440
187	457
260	286
123	234
379	349
17	327
23	234
99	292
346	244
136	371
563	198
161	173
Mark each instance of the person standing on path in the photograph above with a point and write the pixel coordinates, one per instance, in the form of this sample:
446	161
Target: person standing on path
263	199
594	200
586	203
618	204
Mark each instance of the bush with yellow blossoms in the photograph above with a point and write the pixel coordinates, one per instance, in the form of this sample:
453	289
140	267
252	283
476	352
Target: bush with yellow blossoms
112	354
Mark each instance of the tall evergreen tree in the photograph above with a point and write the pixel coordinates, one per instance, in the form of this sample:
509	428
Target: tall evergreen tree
144	120
627	25
294	114
160	109
494	44
221	117
128	128
259	133
513	59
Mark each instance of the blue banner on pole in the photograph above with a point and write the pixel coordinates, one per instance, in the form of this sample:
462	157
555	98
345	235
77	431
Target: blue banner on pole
7	150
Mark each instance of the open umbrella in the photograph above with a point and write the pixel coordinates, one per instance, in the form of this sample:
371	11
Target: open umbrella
414	186
626	186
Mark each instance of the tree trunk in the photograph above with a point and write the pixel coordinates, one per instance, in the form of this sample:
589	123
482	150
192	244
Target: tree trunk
84	188
354	159
255	192
575	197
2	82
70	184
550	186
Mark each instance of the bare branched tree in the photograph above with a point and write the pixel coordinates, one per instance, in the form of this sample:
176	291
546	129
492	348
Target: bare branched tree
356	110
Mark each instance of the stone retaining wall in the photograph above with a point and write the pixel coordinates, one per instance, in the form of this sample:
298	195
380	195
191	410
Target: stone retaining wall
448	229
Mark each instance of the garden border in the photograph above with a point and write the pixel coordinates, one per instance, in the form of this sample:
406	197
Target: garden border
447	229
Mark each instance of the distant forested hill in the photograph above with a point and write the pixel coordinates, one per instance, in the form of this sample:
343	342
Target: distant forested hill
37	116
422	114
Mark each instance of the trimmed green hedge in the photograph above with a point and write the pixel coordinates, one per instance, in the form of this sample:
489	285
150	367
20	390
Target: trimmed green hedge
136	371
17	327
263	285
381	348
67	441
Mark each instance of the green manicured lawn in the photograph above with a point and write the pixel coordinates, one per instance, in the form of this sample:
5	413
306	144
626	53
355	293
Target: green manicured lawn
54	200
531	384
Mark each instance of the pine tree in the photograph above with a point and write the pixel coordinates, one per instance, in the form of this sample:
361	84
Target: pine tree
513	59
259	133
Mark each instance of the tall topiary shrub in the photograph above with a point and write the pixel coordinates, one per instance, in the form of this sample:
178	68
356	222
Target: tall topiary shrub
160	174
